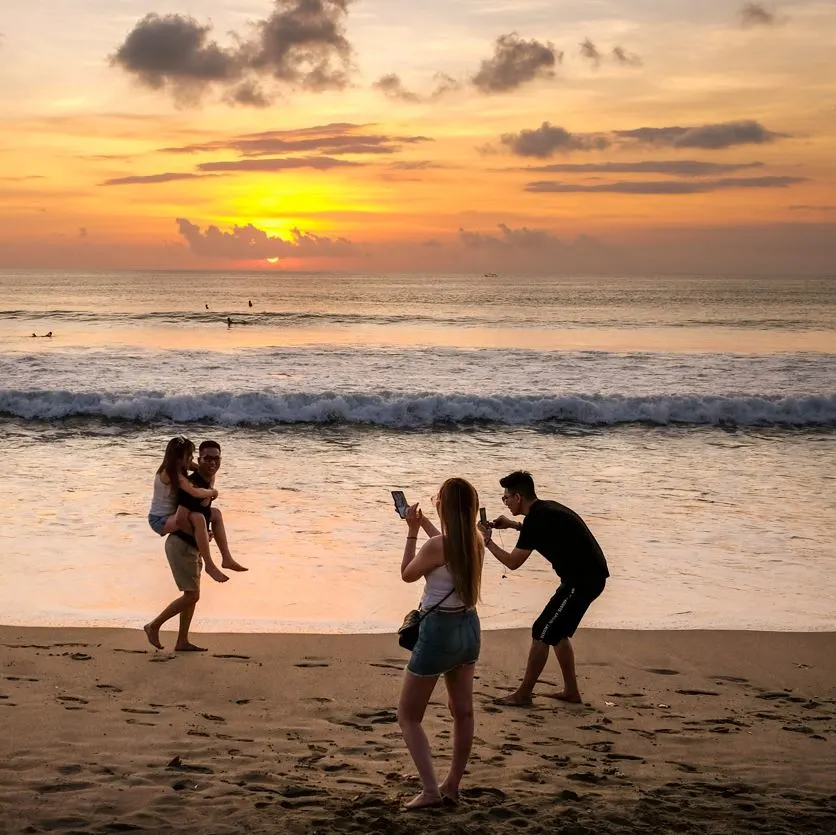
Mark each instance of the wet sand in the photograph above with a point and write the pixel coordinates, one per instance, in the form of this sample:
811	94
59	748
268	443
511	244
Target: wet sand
692	732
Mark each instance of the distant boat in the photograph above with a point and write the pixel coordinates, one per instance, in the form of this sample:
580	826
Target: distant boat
491	275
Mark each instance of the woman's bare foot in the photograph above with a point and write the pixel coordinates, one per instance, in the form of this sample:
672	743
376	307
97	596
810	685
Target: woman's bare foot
153	635
189	648
215	573
230	563
563	696
424	800
515	699
449	794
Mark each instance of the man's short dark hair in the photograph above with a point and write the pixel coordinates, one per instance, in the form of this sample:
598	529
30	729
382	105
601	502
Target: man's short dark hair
204	445
520	481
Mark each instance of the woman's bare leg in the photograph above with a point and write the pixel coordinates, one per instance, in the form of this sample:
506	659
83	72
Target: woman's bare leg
195	524
460	691
415	694
218	528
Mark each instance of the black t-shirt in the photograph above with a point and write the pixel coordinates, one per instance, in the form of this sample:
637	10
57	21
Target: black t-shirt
563	538
192	504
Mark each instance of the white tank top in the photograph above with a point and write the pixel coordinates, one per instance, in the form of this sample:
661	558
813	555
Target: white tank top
438	582
163	502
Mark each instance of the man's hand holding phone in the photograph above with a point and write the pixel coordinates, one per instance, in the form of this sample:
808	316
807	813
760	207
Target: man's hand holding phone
503	522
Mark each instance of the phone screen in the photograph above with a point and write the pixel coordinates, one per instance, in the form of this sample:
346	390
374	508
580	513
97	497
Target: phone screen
483	516
400	503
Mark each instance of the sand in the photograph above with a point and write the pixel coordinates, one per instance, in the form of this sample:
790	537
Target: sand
690	732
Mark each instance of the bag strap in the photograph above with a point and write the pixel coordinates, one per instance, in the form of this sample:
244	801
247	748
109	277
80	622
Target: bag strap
424	614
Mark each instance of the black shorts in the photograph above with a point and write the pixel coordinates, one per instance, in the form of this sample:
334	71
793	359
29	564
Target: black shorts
564	612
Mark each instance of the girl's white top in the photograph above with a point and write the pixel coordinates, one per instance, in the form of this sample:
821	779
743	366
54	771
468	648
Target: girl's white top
163	502
438	582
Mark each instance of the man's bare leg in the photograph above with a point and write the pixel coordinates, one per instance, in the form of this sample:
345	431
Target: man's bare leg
218	528
538	655
183	643
566	658
176	607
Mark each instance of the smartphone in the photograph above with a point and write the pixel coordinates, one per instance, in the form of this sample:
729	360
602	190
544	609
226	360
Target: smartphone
400	503
483	516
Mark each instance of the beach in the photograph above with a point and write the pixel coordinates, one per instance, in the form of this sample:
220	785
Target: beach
685	731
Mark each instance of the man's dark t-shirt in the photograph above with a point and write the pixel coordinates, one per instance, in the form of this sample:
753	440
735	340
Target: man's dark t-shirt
563	538
192	504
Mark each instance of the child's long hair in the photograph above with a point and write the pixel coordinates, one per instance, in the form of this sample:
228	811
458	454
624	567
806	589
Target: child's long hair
458	505
176	450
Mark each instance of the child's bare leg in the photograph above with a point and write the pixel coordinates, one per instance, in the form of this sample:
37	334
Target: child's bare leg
227	560
195	524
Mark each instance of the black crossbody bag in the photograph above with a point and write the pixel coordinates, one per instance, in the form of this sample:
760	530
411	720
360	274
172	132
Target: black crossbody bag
408	633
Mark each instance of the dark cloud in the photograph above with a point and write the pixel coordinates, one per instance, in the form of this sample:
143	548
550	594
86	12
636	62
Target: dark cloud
591	53
544	141
755	14
392	87
175	51
514	63
334	139
302	44
674	168
625	58
415	165
522	238
151	179
444	84
283	164
663	187
22	178
250	243
709	137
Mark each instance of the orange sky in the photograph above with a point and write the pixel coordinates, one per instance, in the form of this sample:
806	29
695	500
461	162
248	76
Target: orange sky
388	135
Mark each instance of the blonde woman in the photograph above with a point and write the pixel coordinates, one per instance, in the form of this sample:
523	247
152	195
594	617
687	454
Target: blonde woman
450	562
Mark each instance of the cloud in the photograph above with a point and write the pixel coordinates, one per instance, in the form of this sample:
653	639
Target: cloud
804	207
302	43
22	178
250	243
755	14
514	63
175	51
663	187
444	84
591	53
625	58
522	238
547	139
675	168
709	137
283	164
392	87
415	165
151	179
334	139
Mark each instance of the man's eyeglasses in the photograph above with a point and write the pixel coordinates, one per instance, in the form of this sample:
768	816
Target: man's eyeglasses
505	497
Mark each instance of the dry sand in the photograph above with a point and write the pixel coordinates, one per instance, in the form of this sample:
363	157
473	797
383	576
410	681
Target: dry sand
690	732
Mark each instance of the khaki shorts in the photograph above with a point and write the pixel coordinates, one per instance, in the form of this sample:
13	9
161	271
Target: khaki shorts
185	563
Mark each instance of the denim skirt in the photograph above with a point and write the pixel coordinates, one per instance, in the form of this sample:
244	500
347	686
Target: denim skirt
446	640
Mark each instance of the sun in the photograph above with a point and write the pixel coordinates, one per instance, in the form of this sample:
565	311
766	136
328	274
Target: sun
272	260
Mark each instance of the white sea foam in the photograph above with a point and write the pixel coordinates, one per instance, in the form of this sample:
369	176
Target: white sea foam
420	410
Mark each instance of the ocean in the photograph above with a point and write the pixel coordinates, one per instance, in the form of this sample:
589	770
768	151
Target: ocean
691	420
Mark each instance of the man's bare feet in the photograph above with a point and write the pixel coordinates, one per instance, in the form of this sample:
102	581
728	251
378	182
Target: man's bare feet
563	696
189	648
153	636
232	565
215	573
515	699
424	801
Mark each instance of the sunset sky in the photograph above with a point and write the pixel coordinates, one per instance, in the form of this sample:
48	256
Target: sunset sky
484	135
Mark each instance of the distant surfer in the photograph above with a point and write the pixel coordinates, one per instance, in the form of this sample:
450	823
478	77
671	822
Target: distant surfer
250	302
228	322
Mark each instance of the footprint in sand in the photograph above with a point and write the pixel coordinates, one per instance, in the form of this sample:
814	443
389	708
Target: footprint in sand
212	717
698	692
662	671
76	699
131	651
397	667
111	687
139	710
232	655
21	678
312	664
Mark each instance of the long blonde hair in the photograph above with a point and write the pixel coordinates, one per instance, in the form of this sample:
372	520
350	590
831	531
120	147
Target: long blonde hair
458	504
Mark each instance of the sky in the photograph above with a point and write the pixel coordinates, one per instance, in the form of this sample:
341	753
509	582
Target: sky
593	136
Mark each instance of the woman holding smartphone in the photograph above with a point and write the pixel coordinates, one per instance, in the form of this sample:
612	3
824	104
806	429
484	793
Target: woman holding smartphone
450	562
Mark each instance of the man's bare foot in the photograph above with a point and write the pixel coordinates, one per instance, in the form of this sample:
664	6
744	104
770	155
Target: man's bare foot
563	696
189	648
232	565
424	801
515	699
215	573
153	635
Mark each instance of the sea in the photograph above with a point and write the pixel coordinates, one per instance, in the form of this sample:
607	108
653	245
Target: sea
690	420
